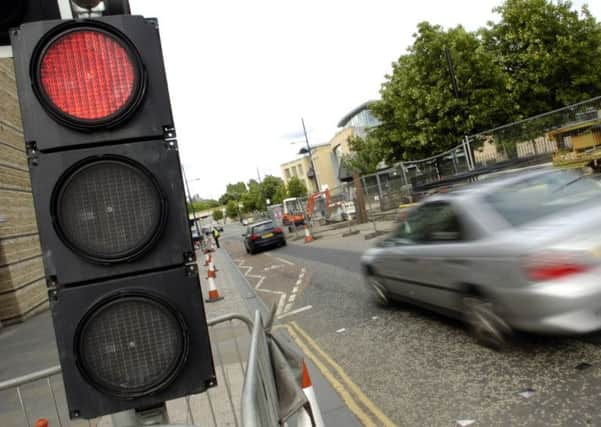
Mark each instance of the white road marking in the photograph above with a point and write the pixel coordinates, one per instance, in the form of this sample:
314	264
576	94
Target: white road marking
285	261
261	278
280	305
341	330
298	310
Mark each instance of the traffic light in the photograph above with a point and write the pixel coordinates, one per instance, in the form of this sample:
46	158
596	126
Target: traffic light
16	12
109	199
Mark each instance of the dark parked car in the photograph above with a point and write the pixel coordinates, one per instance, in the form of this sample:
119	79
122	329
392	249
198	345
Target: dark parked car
261	235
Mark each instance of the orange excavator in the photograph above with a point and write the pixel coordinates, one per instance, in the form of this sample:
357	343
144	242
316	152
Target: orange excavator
296	209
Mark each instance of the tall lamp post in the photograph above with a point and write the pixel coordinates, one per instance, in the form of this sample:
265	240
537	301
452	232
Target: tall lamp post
308	151
190	201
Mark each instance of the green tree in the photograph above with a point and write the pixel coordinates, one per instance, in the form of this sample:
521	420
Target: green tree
549	52
231	209
225	198
296	188
237	190
366	154
419	112
253	199
273	188
217	214
202	205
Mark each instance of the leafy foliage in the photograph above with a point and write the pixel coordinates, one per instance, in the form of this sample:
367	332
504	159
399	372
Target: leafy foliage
273	189
296	187
254	195
550	53
202	205
366	154
217	214
540	55
231	209
419	112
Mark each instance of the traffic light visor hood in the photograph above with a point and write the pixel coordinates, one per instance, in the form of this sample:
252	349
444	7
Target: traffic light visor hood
88	75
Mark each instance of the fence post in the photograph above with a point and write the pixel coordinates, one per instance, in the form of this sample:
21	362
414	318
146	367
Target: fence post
468	153
404	174
361	213
379	186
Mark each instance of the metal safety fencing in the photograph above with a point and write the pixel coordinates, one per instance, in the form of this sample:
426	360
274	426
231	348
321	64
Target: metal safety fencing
41	394
523	143
259	395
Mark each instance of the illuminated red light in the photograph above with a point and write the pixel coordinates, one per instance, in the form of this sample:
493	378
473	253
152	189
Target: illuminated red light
87	75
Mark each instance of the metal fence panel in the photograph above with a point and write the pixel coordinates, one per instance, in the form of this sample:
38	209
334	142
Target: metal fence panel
259	395
41	394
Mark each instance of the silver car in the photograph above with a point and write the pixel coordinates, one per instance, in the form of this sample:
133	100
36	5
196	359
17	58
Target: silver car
519	252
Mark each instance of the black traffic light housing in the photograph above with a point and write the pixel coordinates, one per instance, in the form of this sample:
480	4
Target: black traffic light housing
92	395
67	261
150	118
110	205
15	12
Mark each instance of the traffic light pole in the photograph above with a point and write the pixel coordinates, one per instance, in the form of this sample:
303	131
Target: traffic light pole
156	417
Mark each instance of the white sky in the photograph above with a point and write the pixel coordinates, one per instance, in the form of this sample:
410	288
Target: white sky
242	73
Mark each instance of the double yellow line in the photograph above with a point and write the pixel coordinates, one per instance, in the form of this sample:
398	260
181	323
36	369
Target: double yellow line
358	403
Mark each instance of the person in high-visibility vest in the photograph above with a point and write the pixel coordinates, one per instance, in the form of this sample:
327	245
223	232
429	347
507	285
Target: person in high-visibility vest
216	236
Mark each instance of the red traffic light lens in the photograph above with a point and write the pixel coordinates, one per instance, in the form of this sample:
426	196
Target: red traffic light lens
89	77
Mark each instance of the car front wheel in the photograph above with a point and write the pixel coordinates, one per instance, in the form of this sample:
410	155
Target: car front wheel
379	291
487	327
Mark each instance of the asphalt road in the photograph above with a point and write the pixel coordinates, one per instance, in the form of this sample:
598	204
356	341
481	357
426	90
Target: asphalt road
420	368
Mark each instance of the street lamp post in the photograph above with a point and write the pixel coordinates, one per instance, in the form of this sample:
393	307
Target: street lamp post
190	201
308	150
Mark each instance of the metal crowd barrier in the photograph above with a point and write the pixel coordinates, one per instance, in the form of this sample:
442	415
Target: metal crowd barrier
245	395
259	395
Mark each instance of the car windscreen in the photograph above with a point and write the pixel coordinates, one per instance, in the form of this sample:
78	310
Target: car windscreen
261	228
543	195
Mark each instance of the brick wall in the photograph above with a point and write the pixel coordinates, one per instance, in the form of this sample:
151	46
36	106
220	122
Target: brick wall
22	286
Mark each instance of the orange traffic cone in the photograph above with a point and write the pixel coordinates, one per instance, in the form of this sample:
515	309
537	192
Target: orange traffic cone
211	276
311	417
42	422
207	259
308	237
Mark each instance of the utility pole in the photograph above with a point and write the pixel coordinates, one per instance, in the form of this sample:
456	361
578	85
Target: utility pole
258	174
451	71
191	203
310	156
466	142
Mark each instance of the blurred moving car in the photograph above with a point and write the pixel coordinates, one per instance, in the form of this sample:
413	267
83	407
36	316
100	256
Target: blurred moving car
520	252
262	235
